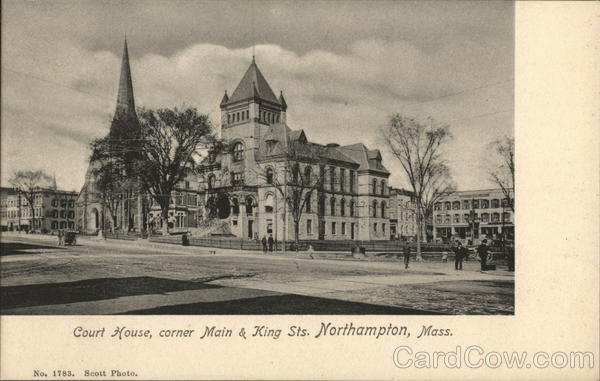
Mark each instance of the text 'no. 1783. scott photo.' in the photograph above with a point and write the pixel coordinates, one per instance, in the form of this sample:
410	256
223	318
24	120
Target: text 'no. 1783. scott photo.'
257	158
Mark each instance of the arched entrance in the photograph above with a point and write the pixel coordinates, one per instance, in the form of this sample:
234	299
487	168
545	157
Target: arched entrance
94	219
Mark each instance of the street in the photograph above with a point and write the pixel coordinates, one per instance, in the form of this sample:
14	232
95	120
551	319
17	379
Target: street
122	277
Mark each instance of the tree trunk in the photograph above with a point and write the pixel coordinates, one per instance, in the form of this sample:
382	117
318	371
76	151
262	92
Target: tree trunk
297	234
164	215
419	257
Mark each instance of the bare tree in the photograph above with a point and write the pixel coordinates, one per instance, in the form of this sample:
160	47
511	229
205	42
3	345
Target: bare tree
28	184
503	172
417	145
299	179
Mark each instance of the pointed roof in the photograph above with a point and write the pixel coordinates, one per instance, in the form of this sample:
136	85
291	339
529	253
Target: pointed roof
125	100
282	101
225	99
253	85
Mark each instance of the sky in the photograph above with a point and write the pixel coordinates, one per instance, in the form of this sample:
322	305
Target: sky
343	66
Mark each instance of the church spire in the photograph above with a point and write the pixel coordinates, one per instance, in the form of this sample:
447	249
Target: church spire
125	100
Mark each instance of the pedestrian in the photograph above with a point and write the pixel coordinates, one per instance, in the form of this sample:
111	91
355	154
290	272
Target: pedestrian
60	237
270	242
482	250
459	253
444	256
264	243
510	256
406	252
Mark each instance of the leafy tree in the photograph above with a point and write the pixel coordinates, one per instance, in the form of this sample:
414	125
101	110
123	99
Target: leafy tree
418	147
28	184
156	150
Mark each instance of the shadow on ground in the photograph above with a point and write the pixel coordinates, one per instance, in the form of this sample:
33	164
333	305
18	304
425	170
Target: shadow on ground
288	304
91	290
20	248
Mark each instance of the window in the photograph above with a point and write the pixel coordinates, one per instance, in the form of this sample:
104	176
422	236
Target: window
456	205
63	224
307	174
269	175
351	180
447	219
447	205
506	217
322	205
382	187
238	151
269	204
342	179
332	206
382	209
62	214
374	208
237	178
456	218
249	206
485	204
383	228
247	114
375	227
466	217
352	208
54	225
333	228
296	173
71	214
485	217
343	207
308	203
235	206
321	175
495	203
308	226
465	204
496	217
54	202
437	206
475	204
374	186
211	181
71	204
332	177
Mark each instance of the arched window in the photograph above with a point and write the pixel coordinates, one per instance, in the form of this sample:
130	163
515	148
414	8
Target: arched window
269	175
495	203
437	206
343	207
374	208
235	206
269	204
332	206
352	208
374	186
456	205
447	205
382	209
308	202
382	187
307	173
496	217
211	181
296	173
238	151
249	206
485	217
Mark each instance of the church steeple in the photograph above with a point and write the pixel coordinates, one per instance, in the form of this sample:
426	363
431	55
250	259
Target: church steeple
125	100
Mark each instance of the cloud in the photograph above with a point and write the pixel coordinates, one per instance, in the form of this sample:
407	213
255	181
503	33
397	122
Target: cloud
57	95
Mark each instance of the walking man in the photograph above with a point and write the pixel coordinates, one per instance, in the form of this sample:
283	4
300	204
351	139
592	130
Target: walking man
270	241
264	243
406	252
60	237
459	252
483	254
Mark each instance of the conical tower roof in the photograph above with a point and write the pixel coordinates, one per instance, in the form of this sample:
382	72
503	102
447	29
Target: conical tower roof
125	100
252	85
